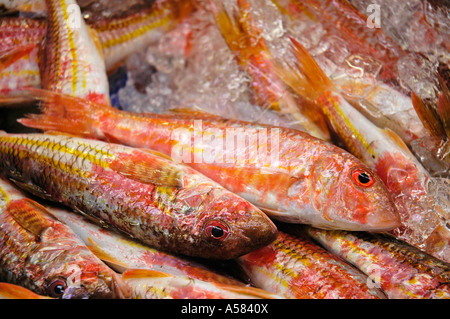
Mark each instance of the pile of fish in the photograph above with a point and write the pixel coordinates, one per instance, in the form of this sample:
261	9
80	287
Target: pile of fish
235	149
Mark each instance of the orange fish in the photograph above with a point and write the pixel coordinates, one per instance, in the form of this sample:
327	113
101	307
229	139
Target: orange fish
289	174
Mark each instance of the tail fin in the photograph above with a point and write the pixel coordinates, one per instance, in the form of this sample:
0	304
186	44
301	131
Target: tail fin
63	113
303	75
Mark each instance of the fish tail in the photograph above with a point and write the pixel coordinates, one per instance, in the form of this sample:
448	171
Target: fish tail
238	30
303	75
10	56
63	113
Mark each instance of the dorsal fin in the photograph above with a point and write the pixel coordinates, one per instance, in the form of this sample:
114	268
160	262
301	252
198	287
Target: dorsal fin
30	215
140	167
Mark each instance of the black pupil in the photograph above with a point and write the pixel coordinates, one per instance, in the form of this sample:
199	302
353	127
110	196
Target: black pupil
363	178
217	232
58	289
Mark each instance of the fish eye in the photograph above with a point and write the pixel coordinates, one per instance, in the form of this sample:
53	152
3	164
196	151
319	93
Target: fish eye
217	229
56	288
362	178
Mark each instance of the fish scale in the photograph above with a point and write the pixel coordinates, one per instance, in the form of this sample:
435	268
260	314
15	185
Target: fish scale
152	204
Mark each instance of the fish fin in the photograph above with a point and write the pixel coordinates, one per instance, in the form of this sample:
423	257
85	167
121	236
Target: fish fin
279	215
139	167
248	291
397	139
242	36
30	215
107	258
444	106
96	39
156	153
427	116
11	291
144	273
111	138
30	188
188	111
64	113
303	75
8	57
6	100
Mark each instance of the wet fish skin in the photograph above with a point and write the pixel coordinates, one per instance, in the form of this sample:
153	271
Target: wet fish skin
42	254
150	284
122	253
297	268
121	36
313	182
163	204
399	269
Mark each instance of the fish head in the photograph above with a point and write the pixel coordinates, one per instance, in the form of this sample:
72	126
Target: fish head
81	275
228	226
351	196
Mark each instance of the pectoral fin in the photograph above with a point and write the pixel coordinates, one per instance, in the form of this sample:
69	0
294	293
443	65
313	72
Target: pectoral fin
148	169
30	215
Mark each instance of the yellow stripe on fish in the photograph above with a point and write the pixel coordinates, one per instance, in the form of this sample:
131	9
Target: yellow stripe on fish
88	153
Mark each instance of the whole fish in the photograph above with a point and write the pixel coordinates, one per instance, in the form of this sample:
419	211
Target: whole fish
71	60
42	254
291	175
152	284
11	291
380	148
296	267
399	269
163	204
122	253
